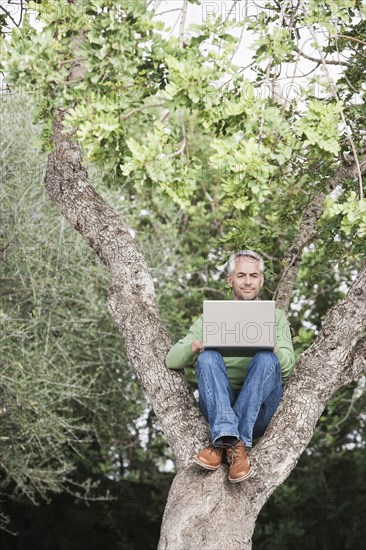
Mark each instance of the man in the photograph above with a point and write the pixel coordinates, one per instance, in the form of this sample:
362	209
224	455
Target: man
237	395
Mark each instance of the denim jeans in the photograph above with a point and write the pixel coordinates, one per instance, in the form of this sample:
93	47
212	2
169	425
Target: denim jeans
243	414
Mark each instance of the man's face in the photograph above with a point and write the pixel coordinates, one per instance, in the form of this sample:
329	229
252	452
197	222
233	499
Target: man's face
247	280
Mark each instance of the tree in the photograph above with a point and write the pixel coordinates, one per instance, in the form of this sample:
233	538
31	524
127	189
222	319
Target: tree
273	162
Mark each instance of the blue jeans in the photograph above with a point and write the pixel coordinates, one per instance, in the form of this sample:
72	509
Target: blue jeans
243	414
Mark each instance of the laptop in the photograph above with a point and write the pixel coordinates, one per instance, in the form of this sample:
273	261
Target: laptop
239	327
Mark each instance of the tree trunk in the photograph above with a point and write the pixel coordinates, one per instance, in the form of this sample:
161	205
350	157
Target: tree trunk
203	508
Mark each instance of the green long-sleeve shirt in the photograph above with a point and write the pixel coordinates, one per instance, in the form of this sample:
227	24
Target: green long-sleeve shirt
181	355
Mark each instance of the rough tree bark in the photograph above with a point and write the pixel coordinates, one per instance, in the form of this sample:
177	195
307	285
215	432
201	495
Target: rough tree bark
203	508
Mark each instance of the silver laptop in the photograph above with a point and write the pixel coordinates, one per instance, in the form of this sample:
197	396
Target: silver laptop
239	327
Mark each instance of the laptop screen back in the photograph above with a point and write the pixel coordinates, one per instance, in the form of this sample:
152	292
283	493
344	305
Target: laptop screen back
239	327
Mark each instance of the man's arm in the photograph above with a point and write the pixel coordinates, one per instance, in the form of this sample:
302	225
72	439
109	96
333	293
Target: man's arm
182	354
285	351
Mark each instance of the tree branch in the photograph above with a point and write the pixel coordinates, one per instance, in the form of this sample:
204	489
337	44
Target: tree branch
353	39
139	109
8	14
292	259
183	23
132	302
167	11
319	61
184	142
231	11
335	358
307	232
131	299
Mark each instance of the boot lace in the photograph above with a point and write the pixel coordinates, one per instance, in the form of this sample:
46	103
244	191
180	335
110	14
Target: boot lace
234	453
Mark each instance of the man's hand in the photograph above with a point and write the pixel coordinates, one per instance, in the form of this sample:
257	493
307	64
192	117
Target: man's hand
197	346
275	349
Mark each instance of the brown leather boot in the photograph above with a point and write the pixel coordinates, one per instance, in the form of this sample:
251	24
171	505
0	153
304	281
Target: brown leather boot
239	462
210	457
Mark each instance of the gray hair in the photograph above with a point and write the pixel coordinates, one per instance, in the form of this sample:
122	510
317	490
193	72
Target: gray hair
246	253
